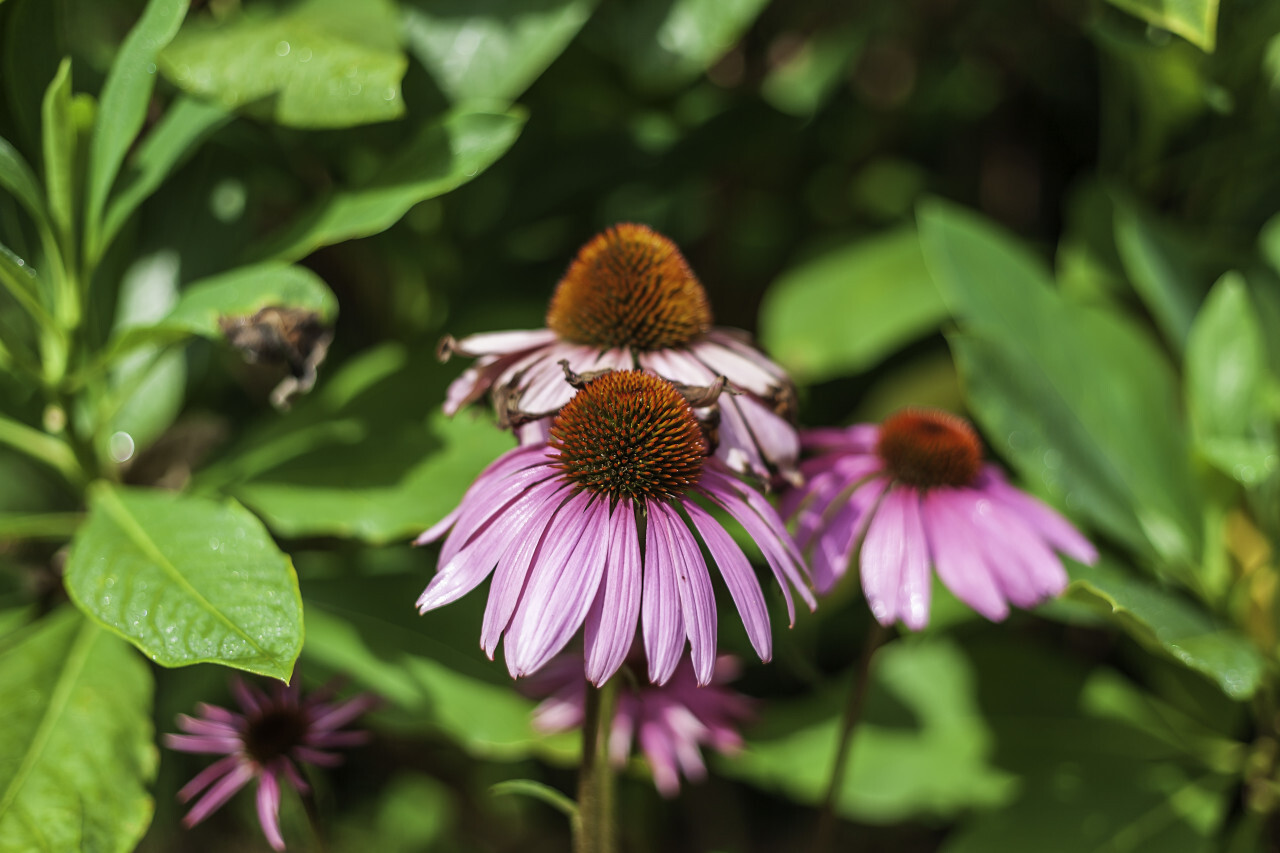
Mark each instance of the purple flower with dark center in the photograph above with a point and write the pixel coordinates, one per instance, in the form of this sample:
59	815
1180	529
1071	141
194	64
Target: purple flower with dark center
274	732
914	492
630	300
599	527
670	722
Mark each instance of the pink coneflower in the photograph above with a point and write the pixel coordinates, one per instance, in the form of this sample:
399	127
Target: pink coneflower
630	300
274	732
600	527
914	492
671	722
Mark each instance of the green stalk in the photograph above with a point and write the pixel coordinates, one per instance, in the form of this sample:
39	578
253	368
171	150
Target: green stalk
43	447
594	831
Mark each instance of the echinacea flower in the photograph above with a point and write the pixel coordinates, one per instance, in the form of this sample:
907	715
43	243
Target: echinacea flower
599	527
670	722
914	492
630	300
273	733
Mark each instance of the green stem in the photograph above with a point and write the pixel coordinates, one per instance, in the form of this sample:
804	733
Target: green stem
57	525
848	723
594	829
43	447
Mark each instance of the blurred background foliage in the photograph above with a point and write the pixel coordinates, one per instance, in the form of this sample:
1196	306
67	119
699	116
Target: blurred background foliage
1055	215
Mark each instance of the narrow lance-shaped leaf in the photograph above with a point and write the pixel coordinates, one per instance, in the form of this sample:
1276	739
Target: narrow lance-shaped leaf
125	96
76	751
59	137
17	179
187	580
1194	20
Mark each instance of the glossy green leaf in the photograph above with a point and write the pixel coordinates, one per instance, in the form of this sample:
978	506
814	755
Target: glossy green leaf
429	668
386	484
664	45
849	308
59	139
185	125
802	83
933	758
1160	268
187	580
76	752
17	179
1080	400
1194	20
123	104
1164	620
490	50
444	155
315	63
1227	379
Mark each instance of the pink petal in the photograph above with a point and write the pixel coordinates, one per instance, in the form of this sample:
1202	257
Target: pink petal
835	543
611	624
657	747
884	556
913	600
208	776
219	794
202	743
738	576
1055	529
742	371
660	616
693	582
269	810
958	558
561	585
502	343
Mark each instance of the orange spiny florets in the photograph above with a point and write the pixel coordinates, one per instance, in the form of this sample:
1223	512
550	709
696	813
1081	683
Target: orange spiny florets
928	448
629	435
629	287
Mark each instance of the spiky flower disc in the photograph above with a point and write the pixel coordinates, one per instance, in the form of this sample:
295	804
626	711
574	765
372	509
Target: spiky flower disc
629	435
927	448
629	287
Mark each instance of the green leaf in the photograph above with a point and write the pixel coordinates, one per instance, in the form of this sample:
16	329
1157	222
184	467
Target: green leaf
76	752
59	137
185	125
802	82
315	63
429	668
1160	267
386	485
187	580
490	50
1079	399
1164	620
444	155
665	45
538	791
1194	20
1227	379
922	748
1269	241
18	180
847	309
123	105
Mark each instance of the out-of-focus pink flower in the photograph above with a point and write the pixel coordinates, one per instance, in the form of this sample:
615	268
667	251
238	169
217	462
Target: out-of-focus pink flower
630	300
274	731
599	528
914	492
670	722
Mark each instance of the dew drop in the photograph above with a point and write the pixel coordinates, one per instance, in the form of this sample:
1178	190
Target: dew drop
390	94
304	55
282	48
151	68
120	446
353	88
215	543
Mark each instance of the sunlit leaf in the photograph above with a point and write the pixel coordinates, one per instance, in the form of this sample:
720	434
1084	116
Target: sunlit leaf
76	751
59	139
187	580
490	49
847	309
315	63
1194	20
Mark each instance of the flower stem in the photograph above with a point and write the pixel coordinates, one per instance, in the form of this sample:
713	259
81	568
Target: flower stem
594	828
852	715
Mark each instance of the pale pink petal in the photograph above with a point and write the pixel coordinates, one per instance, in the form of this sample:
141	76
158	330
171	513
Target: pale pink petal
859	438
657	747
210	728
884	555
738	576
958	558
913	599
834	546
735	367
693	581
501	343
735	340
269	810
202	743
1055	529
561	585
611	624
660	616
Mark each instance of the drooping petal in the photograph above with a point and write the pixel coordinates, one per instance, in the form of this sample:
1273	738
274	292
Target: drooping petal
958	558
499	343
913	600
834	546
738	576
742	371
859	438
693	581
656	745
202	743
561	585
1055	529
611	623
884	555
660	616
208	776
224	790
269	810
338	715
